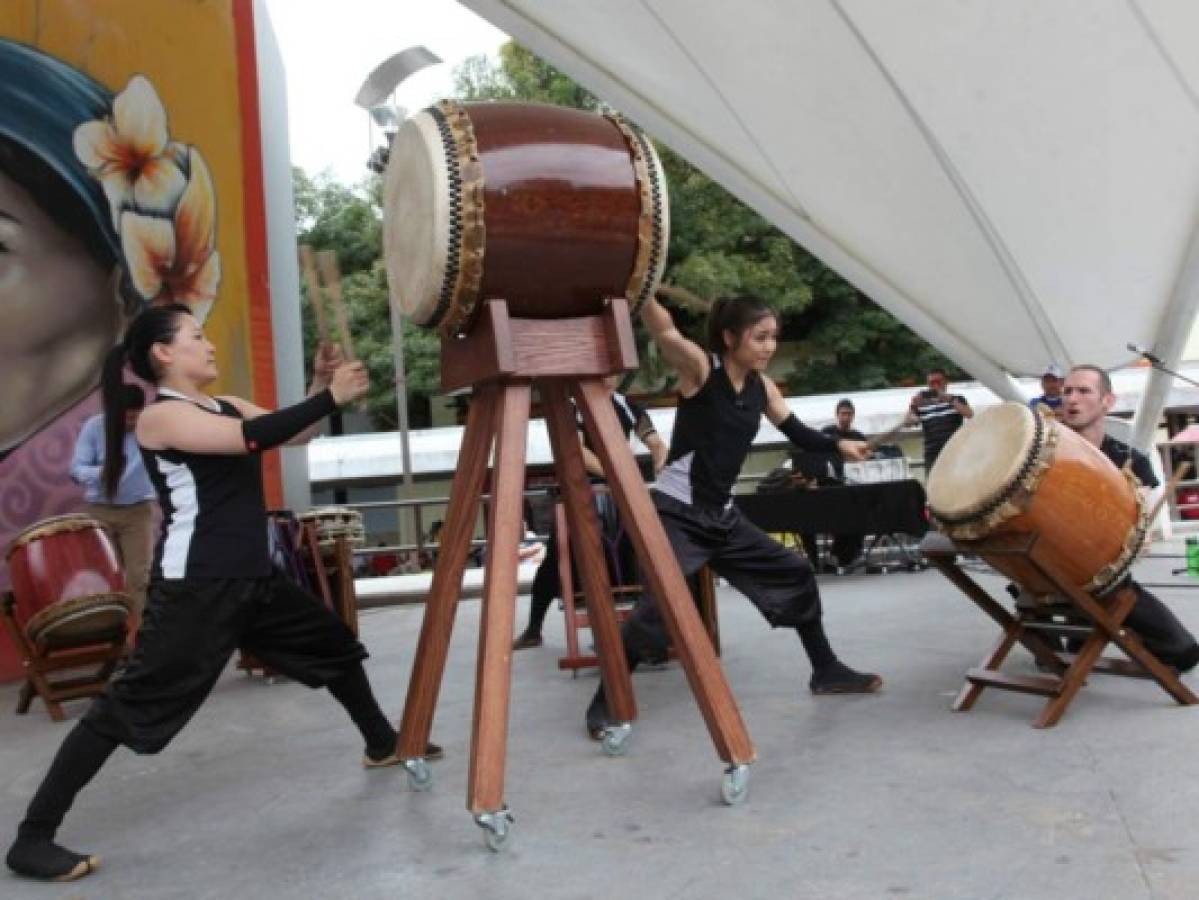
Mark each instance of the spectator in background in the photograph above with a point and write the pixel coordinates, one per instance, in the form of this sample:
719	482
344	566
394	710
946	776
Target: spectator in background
939	413
846	547
843	430
128	513
383	563
1051	390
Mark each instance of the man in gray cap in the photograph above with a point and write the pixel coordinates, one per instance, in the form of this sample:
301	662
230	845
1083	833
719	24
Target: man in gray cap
1051	390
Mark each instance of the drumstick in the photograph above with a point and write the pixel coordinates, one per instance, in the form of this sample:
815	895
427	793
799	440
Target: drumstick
1179	471
327	260
315	295
685	297
875	441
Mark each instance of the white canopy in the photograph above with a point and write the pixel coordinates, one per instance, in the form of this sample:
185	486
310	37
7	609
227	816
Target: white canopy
1017	181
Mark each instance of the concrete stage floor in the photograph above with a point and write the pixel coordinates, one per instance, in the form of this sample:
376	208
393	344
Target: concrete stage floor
884	796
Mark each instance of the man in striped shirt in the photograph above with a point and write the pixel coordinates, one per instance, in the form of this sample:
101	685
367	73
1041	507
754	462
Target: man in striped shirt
939	413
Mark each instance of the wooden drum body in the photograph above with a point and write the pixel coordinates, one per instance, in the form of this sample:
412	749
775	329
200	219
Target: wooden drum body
59	559
1010	470
553	210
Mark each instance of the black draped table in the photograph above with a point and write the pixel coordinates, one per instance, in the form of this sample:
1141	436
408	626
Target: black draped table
883	507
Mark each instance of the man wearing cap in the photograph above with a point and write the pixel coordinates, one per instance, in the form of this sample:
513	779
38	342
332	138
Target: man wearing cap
1051	390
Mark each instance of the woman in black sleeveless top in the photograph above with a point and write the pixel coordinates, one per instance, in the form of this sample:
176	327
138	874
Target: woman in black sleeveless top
723	398
212	589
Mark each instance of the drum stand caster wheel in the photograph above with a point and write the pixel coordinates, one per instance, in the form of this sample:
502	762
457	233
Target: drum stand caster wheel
420	776
497	828
734	784
614	739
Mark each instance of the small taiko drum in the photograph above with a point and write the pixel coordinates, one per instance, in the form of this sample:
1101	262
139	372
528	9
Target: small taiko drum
550	209
333	522
63	558
1010	470
83	620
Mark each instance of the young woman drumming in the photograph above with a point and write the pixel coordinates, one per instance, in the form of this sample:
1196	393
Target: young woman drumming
212	587
723	398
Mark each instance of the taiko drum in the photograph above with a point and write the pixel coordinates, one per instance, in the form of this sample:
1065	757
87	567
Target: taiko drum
59	559
552	210
1010	470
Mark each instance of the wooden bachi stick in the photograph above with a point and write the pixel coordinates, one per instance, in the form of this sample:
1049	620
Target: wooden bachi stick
327	261
315	294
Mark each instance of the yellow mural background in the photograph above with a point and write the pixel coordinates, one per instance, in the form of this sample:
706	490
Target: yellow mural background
187	49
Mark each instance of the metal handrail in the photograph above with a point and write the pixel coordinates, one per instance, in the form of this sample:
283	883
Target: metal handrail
418	503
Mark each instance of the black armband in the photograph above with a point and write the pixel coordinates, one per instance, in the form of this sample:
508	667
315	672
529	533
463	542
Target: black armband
806	438
282	425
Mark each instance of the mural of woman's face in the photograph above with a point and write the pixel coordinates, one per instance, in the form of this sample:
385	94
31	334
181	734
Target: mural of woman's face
59	315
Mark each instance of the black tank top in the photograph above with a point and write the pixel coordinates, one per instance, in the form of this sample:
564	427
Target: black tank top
213	509
713	431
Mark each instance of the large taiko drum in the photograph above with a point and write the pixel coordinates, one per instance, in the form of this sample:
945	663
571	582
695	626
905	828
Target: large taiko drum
1010	470
63	558
553	210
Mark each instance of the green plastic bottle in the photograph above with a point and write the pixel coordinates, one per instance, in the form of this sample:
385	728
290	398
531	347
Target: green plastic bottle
1192	555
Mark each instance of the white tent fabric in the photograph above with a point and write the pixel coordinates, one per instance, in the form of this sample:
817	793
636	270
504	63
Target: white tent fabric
1017	181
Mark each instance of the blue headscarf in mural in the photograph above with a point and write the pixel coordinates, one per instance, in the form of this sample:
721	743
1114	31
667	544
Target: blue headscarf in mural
42	101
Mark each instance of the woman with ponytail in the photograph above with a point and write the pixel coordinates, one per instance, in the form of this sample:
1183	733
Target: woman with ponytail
212	587
724	394
117	491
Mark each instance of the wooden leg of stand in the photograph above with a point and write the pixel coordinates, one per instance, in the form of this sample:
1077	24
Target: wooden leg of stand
593	568
566	580
664	577
706	583
971	691
1033	642
428	666
489	737
1109	615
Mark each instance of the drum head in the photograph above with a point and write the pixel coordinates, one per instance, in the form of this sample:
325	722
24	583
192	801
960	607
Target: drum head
54	525
99	617
981	461
416	220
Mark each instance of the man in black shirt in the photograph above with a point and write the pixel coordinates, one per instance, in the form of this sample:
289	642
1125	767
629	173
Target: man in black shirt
939	413
1087	398
846	547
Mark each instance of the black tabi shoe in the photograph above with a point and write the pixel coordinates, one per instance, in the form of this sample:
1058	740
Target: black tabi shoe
839	678
1187	659
45	860
393	758
526	641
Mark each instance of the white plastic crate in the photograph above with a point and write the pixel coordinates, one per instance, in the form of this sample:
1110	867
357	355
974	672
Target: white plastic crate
873	470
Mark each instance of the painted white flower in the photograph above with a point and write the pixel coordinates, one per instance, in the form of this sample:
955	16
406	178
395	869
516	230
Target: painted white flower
131	155
174	259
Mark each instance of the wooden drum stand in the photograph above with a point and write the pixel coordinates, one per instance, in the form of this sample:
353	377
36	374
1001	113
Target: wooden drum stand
504	358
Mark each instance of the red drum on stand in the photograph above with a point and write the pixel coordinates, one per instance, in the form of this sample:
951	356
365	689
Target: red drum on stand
63	558
553	210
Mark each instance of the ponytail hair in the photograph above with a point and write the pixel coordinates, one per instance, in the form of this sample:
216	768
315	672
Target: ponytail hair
738	315
156	325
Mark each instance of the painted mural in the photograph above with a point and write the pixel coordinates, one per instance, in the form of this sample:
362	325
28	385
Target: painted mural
128	169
